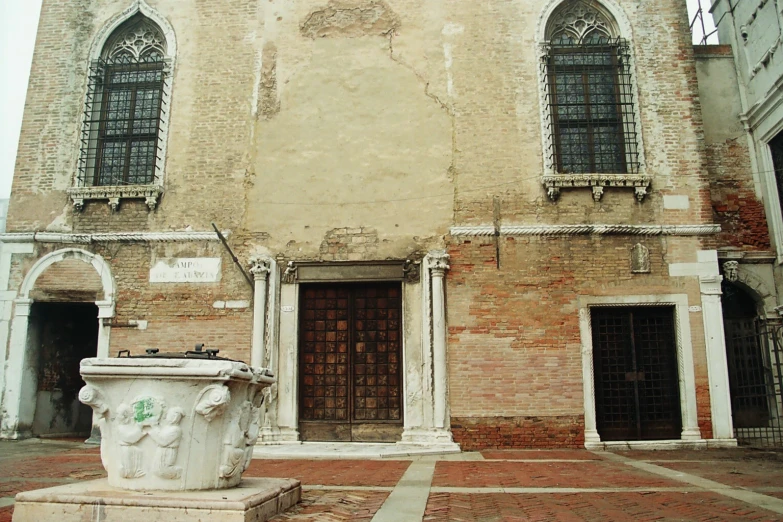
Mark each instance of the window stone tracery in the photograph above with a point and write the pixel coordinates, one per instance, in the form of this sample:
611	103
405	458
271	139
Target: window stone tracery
579	23
138	40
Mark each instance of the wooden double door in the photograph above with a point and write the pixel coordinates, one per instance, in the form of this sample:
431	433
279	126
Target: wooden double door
350	362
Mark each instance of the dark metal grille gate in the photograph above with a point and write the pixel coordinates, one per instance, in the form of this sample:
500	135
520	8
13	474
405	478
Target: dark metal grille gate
350	355
636	379
753	353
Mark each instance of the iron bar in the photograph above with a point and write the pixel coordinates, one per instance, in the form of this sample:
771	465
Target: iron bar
233	257
592	122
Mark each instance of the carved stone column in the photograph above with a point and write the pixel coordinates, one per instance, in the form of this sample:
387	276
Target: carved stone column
717	367
260	268
438	263
21	380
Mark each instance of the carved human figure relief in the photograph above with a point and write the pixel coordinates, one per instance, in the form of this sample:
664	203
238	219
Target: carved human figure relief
270	406
167	436
234	442
290	274
129	432
640	259
212	401
254	427
92	397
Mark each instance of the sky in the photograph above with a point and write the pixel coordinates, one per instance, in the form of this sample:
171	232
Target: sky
18	24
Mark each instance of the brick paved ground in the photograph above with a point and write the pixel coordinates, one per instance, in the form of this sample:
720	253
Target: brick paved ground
493	485
517	474
595	506
332	472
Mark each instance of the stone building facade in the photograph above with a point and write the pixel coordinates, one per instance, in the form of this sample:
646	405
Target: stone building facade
482	223
743	128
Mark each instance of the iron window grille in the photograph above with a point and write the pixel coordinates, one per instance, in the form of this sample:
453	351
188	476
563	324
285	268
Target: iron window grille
589	97
121	136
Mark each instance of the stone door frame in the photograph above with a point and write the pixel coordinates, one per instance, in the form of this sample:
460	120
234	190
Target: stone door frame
687	380
20	382
422	303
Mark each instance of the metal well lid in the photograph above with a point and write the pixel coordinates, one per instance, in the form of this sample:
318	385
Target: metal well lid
198	353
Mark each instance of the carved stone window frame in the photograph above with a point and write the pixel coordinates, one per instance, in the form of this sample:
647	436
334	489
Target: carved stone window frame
80	192
616	23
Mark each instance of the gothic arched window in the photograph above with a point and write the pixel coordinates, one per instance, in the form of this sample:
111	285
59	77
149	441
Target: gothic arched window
589	96
122	131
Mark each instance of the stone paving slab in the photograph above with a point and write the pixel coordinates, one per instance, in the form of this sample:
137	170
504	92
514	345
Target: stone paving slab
588	474
350	450
702	455
592	507
746	474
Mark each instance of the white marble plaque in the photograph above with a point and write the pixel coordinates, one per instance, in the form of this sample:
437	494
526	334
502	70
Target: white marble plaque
186	270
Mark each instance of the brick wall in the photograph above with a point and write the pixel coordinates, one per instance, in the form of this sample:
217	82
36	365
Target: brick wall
515	347
178	315
477	433
735	197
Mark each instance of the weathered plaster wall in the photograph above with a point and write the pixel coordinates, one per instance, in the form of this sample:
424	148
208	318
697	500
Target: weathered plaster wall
753	28
357	143
291	121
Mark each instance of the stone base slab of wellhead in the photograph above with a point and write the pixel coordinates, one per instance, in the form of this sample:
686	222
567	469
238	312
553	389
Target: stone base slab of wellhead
255	499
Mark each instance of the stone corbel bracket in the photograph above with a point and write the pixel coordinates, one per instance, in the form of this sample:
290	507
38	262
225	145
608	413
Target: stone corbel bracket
554	182
150	193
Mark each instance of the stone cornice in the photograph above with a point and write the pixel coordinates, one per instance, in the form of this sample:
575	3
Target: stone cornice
56	237
747	257
150	193
579	230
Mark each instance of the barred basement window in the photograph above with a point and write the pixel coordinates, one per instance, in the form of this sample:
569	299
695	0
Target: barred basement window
590	124
125	107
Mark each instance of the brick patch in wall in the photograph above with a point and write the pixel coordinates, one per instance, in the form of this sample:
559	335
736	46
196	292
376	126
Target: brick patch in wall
477	433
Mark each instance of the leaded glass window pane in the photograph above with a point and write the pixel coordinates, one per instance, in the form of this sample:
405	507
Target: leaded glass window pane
130	121
590	105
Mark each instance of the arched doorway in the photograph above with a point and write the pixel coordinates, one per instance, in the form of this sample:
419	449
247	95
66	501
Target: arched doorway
57	321
754	363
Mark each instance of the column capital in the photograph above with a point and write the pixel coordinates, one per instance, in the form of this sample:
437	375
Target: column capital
710	285
260	267
438	262
23	306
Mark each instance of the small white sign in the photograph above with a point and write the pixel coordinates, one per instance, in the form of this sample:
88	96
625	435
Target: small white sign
186	270
287	308
694	308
